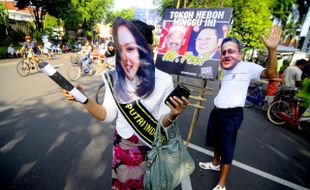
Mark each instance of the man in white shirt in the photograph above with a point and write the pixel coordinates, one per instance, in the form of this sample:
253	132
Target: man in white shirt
227	115
292	74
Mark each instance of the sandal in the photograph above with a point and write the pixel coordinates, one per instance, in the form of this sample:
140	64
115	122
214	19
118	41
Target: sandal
209	166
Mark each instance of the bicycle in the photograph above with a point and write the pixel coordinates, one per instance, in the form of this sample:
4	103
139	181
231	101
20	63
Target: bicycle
77	68
100	92
255	96
285	109
27	64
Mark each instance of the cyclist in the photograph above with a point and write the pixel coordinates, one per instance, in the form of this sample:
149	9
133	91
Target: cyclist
84	55
31	49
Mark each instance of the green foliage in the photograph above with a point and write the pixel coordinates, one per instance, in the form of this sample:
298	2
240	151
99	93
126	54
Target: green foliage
88	34
37	35
205	4
251	19
281	9
85	13
124	13
8	40
4	16
50	22
17	36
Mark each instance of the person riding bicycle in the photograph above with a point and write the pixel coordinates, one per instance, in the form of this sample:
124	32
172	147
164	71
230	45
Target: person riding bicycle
84	55
30	48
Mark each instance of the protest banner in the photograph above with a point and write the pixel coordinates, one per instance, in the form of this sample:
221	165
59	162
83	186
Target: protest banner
190	41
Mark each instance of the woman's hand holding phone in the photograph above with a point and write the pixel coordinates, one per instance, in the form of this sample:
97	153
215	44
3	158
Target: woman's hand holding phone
177	100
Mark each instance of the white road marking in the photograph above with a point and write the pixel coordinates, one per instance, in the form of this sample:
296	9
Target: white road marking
252	170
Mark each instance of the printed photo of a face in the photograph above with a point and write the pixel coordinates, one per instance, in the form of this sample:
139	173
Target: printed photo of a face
130	59
207	42
174	38
134	64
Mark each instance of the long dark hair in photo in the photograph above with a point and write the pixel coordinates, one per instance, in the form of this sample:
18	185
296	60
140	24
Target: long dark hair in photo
146	71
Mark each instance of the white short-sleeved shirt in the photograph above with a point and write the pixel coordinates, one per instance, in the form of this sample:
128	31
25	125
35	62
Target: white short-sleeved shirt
154	103
291	75
235	83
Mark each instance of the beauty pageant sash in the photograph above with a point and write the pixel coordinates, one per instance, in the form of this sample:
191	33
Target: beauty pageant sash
140	119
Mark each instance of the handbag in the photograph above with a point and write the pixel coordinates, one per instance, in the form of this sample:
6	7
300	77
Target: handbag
168	163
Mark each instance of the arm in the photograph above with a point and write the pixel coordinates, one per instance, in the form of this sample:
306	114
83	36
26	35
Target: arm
180	105
97	111
271	43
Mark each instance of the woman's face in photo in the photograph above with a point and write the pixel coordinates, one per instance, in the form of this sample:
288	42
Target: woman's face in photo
130	59
206	41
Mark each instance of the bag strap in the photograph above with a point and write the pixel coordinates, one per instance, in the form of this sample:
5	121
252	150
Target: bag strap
172	133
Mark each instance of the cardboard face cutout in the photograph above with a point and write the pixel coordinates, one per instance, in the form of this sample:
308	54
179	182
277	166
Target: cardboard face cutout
135	69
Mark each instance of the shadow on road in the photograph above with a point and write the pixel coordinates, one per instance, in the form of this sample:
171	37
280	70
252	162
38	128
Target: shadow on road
43	146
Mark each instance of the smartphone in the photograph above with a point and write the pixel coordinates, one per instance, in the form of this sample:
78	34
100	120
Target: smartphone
179	91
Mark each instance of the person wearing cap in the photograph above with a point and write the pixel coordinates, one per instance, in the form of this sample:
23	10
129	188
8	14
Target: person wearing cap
31	48
135	79
226	117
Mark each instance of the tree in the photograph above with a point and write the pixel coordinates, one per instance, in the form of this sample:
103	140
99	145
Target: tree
251	19
85	13
205	4
124	13
281	9
36	8
4	22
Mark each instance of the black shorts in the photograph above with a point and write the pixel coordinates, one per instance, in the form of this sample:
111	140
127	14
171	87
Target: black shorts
222	131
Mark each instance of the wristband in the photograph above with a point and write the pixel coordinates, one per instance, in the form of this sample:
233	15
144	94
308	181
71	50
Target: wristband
85	101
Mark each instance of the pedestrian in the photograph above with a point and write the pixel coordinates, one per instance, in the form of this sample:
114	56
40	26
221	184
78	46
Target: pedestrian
292	74
11	51
134	88
226	117
110	54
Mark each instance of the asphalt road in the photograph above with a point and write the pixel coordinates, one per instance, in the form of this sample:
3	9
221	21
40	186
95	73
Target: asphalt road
49	143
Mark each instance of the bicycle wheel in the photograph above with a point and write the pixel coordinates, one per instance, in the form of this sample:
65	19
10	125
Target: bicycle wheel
92	69
74	72
275	108
23	68
100	94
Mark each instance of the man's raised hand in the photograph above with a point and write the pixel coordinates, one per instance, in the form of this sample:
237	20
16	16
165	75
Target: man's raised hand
274	37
